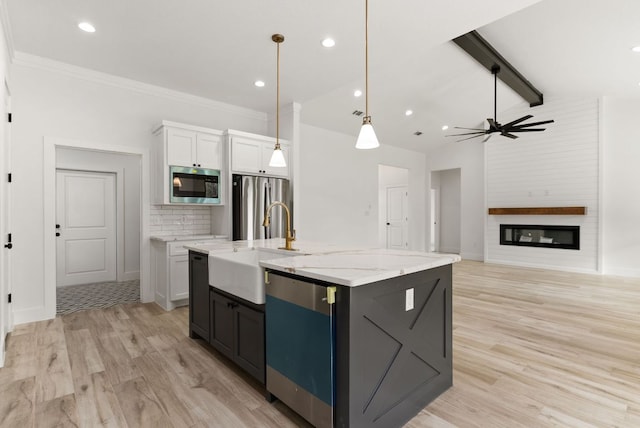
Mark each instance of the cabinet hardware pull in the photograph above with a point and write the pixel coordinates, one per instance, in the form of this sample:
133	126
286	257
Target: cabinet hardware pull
8	246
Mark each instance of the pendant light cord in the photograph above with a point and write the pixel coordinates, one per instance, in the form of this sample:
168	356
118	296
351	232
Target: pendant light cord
366	57
278	99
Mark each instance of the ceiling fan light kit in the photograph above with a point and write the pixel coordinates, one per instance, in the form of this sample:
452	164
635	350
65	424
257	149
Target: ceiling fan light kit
508	129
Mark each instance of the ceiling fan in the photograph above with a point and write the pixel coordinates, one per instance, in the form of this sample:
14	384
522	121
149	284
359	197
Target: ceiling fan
508	129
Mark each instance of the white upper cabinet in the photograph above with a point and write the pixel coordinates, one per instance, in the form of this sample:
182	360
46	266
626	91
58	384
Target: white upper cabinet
191	148
251	153
209	150
184	145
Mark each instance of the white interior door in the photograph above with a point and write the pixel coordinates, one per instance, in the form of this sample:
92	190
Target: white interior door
435	220
397	218
86	214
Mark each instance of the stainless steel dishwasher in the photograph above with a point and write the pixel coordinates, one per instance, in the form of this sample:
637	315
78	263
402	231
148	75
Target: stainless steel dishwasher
300	346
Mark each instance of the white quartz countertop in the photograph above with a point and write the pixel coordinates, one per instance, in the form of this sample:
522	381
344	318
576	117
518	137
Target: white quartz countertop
354	268
302	248
337	264
171	238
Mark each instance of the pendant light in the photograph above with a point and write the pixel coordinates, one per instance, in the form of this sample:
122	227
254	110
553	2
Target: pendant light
367	138
277	158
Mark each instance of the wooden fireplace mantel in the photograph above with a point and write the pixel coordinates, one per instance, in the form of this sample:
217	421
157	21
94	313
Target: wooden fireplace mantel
539	211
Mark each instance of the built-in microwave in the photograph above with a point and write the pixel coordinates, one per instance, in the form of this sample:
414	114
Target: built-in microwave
194	185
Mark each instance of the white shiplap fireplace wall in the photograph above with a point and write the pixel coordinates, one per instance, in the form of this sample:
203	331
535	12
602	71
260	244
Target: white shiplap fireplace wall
555	168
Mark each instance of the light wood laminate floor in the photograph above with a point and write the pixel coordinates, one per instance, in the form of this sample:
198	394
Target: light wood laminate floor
531	348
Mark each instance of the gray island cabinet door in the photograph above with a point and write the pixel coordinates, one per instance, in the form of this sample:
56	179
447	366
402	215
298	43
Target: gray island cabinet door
393	348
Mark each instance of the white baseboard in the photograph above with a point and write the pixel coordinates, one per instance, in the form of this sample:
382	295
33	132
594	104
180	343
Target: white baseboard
449	250
38	313
479	257
3	343
131	276
627	272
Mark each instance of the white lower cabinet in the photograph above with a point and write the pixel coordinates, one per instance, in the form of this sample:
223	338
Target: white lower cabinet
179	277
170	272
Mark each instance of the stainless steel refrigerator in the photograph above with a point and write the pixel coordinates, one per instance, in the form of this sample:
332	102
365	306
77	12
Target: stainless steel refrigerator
251	196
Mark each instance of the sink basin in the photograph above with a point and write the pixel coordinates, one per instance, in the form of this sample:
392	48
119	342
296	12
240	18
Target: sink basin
240	274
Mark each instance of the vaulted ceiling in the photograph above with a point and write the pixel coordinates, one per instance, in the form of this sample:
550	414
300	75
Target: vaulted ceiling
217	50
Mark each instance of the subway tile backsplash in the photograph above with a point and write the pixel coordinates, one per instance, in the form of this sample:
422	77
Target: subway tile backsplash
177	220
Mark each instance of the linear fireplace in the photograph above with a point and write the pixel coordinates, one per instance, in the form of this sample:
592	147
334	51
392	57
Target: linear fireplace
566	237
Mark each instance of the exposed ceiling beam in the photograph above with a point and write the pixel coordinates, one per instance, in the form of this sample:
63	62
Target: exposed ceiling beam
476	46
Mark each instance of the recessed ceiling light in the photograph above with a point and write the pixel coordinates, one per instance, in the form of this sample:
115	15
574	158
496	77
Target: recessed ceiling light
259	83
357	93
85	26
408	112
445	127
328	42
636	49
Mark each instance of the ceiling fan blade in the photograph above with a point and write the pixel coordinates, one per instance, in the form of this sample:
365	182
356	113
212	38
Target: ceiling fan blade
468	138
524	125
470	129
522	119
487	138
466	133
526	130
506	134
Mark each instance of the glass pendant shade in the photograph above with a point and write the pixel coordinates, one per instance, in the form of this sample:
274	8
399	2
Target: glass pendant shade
367	138
277	158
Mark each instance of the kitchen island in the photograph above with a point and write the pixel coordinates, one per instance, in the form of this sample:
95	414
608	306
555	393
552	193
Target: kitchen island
357	338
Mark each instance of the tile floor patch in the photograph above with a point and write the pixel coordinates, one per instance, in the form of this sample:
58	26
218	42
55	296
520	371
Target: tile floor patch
75	298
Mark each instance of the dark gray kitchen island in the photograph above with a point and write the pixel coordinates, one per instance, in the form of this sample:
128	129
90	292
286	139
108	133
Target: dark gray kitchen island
359	339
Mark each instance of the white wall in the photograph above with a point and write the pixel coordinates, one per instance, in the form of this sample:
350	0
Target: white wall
60	101
557	167
621	177
338	202
450	210
468	156
127	169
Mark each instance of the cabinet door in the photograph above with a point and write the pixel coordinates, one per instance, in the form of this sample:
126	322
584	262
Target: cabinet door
178	277
246	155
181	147
222	332
199	295
209	151
267	151
249	341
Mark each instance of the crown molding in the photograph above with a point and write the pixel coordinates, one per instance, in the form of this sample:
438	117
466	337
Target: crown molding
52	66
6	28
